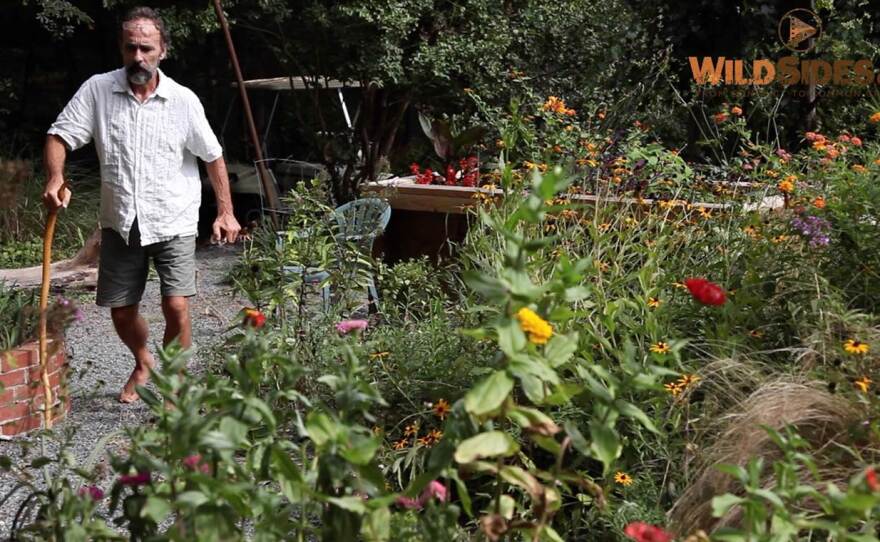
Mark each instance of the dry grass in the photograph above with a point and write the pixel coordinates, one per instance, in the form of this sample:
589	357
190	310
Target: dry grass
821	418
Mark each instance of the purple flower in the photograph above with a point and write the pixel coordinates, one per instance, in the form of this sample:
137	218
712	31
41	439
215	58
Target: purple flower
347	326
93	492
813	228
140	479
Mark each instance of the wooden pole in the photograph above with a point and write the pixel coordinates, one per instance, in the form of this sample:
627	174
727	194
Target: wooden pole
269	187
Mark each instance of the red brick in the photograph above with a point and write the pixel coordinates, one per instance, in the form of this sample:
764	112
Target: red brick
25	392
14	378
15	359
22	425
8	395
14	411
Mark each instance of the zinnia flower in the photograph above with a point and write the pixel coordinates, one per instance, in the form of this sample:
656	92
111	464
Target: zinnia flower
347	326
140	479
537	328
875	118
871	479
720	117
195	462
736	110
94	493
623	478
706	292
643	532
254	318
819	202
785	186
852	346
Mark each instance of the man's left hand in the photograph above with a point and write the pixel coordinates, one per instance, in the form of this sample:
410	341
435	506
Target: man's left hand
226	229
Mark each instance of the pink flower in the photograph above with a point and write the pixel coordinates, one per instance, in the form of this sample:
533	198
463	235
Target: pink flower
139	479
93	492
643	532
434	490
856	141
194	462
347	326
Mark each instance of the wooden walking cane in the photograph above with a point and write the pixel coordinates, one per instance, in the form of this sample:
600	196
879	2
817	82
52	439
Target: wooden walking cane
44	302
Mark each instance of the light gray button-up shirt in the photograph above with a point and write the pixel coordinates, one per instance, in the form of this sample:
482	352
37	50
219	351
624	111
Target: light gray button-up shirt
147	152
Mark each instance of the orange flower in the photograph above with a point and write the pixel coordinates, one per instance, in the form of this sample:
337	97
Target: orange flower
442	409
858	168
819	202
253	318
875	118
785	186
400	444
720	117
736	110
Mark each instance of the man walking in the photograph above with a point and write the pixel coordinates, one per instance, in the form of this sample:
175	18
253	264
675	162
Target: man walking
148	132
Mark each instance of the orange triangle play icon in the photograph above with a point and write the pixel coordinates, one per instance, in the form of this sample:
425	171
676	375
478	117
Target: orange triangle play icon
798	31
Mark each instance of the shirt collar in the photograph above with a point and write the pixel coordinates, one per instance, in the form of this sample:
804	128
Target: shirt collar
163	89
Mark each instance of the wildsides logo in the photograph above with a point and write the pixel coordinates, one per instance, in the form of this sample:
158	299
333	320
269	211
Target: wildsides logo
798	31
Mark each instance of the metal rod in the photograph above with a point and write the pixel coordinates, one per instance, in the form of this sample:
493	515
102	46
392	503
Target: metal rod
268	186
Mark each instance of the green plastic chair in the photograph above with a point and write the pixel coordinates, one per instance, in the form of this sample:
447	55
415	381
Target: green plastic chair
359	222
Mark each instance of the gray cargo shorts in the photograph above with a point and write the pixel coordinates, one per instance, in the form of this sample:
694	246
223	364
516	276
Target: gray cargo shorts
123	269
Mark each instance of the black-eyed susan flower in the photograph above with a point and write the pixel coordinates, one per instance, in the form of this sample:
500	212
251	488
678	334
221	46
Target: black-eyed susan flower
411	430
756	333
623	479
400	444
688	380
673	388
660	347
442	409
654	302
538	330
379	355
863	384
852	346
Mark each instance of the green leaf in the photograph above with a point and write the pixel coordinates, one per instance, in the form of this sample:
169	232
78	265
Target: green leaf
193	499
377	525
156	509
488	286
768	495
321	429
507	506
631	411
234	430
511	338
489	444
577	438
524	479
352	504
606	445
560	349
489	394
361	450
723	503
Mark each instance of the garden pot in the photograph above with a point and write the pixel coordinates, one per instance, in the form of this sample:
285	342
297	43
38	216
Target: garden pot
21	401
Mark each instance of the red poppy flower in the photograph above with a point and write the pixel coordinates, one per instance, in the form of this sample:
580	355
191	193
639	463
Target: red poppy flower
254	318
871	479
643	532
706	292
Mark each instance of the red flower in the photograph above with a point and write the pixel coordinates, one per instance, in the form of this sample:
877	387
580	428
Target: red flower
871	479
414	168
707	293
425	178
139	479
450	175
94	493
254	318
470	179
643	532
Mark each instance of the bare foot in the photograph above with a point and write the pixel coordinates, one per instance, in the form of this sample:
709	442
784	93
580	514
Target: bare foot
139	377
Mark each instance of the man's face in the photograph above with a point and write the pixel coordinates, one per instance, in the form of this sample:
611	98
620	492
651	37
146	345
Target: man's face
142	50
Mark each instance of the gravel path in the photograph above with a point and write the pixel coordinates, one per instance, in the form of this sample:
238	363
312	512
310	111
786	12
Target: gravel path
102	364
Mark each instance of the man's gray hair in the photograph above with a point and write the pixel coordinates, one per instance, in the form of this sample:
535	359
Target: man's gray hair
149	14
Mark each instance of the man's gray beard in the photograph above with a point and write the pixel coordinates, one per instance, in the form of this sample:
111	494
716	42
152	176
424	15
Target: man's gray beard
140	77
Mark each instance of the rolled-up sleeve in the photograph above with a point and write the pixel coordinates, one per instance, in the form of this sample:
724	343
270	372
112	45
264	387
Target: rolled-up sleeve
76	123
201	140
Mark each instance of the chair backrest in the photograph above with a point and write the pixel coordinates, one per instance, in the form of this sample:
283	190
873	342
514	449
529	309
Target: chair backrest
362	219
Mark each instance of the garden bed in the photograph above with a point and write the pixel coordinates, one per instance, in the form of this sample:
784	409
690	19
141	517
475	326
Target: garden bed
21	401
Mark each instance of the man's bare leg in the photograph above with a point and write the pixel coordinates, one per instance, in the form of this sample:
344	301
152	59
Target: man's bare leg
177	321
133	331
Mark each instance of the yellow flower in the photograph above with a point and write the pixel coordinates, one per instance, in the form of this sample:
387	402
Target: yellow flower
785	186
623	478
772	173
605	226
379	355
863	384
660	347
779	239
654	302
858	168
875	118
538	329
442	409
705	213
673	388
688	380
603	267
858	348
